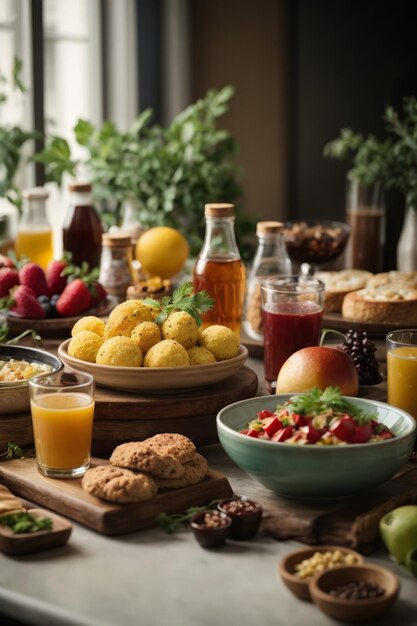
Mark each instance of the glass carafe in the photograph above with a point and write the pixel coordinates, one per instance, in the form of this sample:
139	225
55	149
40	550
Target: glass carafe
34	234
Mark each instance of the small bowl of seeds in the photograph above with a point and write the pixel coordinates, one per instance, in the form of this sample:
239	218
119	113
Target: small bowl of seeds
246	516
210	528
299	567
354	593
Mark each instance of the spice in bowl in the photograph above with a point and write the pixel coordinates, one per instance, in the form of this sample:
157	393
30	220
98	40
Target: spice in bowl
357	590
246	516
210	528
324	560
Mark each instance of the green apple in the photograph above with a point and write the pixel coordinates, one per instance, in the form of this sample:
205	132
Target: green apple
398	530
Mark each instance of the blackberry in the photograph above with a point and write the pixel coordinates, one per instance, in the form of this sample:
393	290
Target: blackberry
362	352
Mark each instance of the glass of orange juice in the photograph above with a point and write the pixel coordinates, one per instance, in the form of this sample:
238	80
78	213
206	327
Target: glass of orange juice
62	407
402	369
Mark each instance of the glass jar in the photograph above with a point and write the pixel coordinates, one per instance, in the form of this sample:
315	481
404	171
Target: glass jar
116	273
82	229
365	214
407	243
219	269
271	258
34	234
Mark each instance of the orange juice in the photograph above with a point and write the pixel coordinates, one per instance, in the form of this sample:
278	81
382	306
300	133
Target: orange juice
402	378
62	426
35	243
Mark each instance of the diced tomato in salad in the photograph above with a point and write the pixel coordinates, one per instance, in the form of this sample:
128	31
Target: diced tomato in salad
325	425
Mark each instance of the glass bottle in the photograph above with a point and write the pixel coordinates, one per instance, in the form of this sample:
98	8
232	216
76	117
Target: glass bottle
82	229
271	258
407	243
219	269
116	264
34	234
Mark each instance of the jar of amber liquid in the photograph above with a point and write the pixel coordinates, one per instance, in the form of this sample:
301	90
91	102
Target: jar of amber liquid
219	269
34	235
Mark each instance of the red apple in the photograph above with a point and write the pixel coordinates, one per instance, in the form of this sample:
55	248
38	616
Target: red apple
318	366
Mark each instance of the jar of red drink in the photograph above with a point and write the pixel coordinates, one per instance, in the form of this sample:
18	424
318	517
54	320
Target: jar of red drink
82	229
292	311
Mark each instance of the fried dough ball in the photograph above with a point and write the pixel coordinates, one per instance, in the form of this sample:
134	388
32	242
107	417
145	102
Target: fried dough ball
200	356
90	322
85	345
167	353
121	351
181	327
125	316
221	341
146	335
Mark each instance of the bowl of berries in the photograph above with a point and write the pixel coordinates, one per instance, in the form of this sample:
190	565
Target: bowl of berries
50	301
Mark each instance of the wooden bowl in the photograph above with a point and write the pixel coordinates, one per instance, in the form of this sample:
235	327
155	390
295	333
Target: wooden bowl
156	379
349	609
298	586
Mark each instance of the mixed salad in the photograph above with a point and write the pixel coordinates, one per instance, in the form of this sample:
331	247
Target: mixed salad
318	417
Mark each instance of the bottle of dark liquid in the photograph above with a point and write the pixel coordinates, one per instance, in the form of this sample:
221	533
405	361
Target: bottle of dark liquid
219	268
82	229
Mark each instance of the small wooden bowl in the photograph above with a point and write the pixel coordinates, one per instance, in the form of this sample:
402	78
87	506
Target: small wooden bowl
210	537
299	586
349	609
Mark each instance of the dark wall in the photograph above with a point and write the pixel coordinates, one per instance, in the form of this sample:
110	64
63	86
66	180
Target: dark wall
348	60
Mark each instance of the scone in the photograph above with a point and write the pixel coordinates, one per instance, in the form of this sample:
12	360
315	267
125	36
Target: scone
394	278
194	472
139	456
179	446
338	284
390	304
118	485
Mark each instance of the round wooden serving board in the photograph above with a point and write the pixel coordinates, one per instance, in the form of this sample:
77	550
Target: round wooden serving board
121	416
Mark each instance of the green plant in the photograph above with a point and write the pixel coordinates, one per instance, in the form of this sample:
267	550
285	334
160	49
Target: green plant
171	172
12	138
392	161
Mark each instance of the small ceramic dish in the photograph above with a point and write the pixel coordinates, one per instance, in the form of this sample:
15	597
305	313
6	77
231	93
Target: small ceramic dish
245	514
300	586
210	536
348	609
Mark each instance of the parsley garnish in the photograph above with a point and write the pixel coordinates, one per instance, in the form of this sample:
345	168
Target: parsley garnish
14	451
24	522
316	402
183	299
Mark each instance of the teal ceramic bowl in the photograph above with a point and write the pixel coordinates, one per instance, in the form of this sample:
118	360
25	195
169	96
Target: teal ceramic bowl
316	472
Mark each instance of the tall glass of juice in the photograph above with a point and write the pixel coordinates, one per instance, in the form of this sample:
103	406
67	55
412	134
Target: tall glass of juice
292	311
62	407
402	369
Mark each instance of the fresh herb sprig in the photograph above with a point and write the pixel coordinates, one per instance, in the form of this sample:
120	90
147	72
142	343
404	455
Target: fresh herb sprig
171	523
14	451
183	299
24	522
316	402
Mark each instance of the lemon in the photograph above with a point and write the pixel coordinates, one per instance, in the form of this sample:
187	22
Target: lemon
162	251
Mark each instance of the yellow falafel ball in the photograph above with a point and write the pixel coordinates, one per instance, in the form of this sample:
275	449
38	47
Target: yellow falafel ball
89	322
121	351
85	345
181	327
221	341
125	316
167	353
200	356
146	335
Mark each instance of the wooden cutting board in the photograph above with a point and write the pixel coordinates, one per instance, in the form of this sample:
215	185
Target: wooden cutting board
66	497
121	416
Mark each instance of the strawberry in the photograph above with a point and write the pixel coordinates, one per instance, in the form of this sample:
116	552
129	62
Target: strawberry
33	276
55	281
26	304
8	278
98	293
6	261
74	299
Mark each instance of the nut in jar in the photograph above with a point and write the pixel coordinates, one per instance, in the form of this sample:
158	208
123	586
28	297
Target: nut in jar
116	272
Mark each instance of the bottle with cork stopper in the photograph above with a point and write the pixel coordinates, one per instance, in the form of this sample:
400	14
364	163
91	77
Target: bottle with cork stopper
82	229
271	258
219	269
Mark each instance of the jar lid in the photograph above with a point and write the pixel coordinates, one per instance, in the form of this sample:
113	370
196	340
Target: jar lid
35	193
116	240
80	187
219	210
269	228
